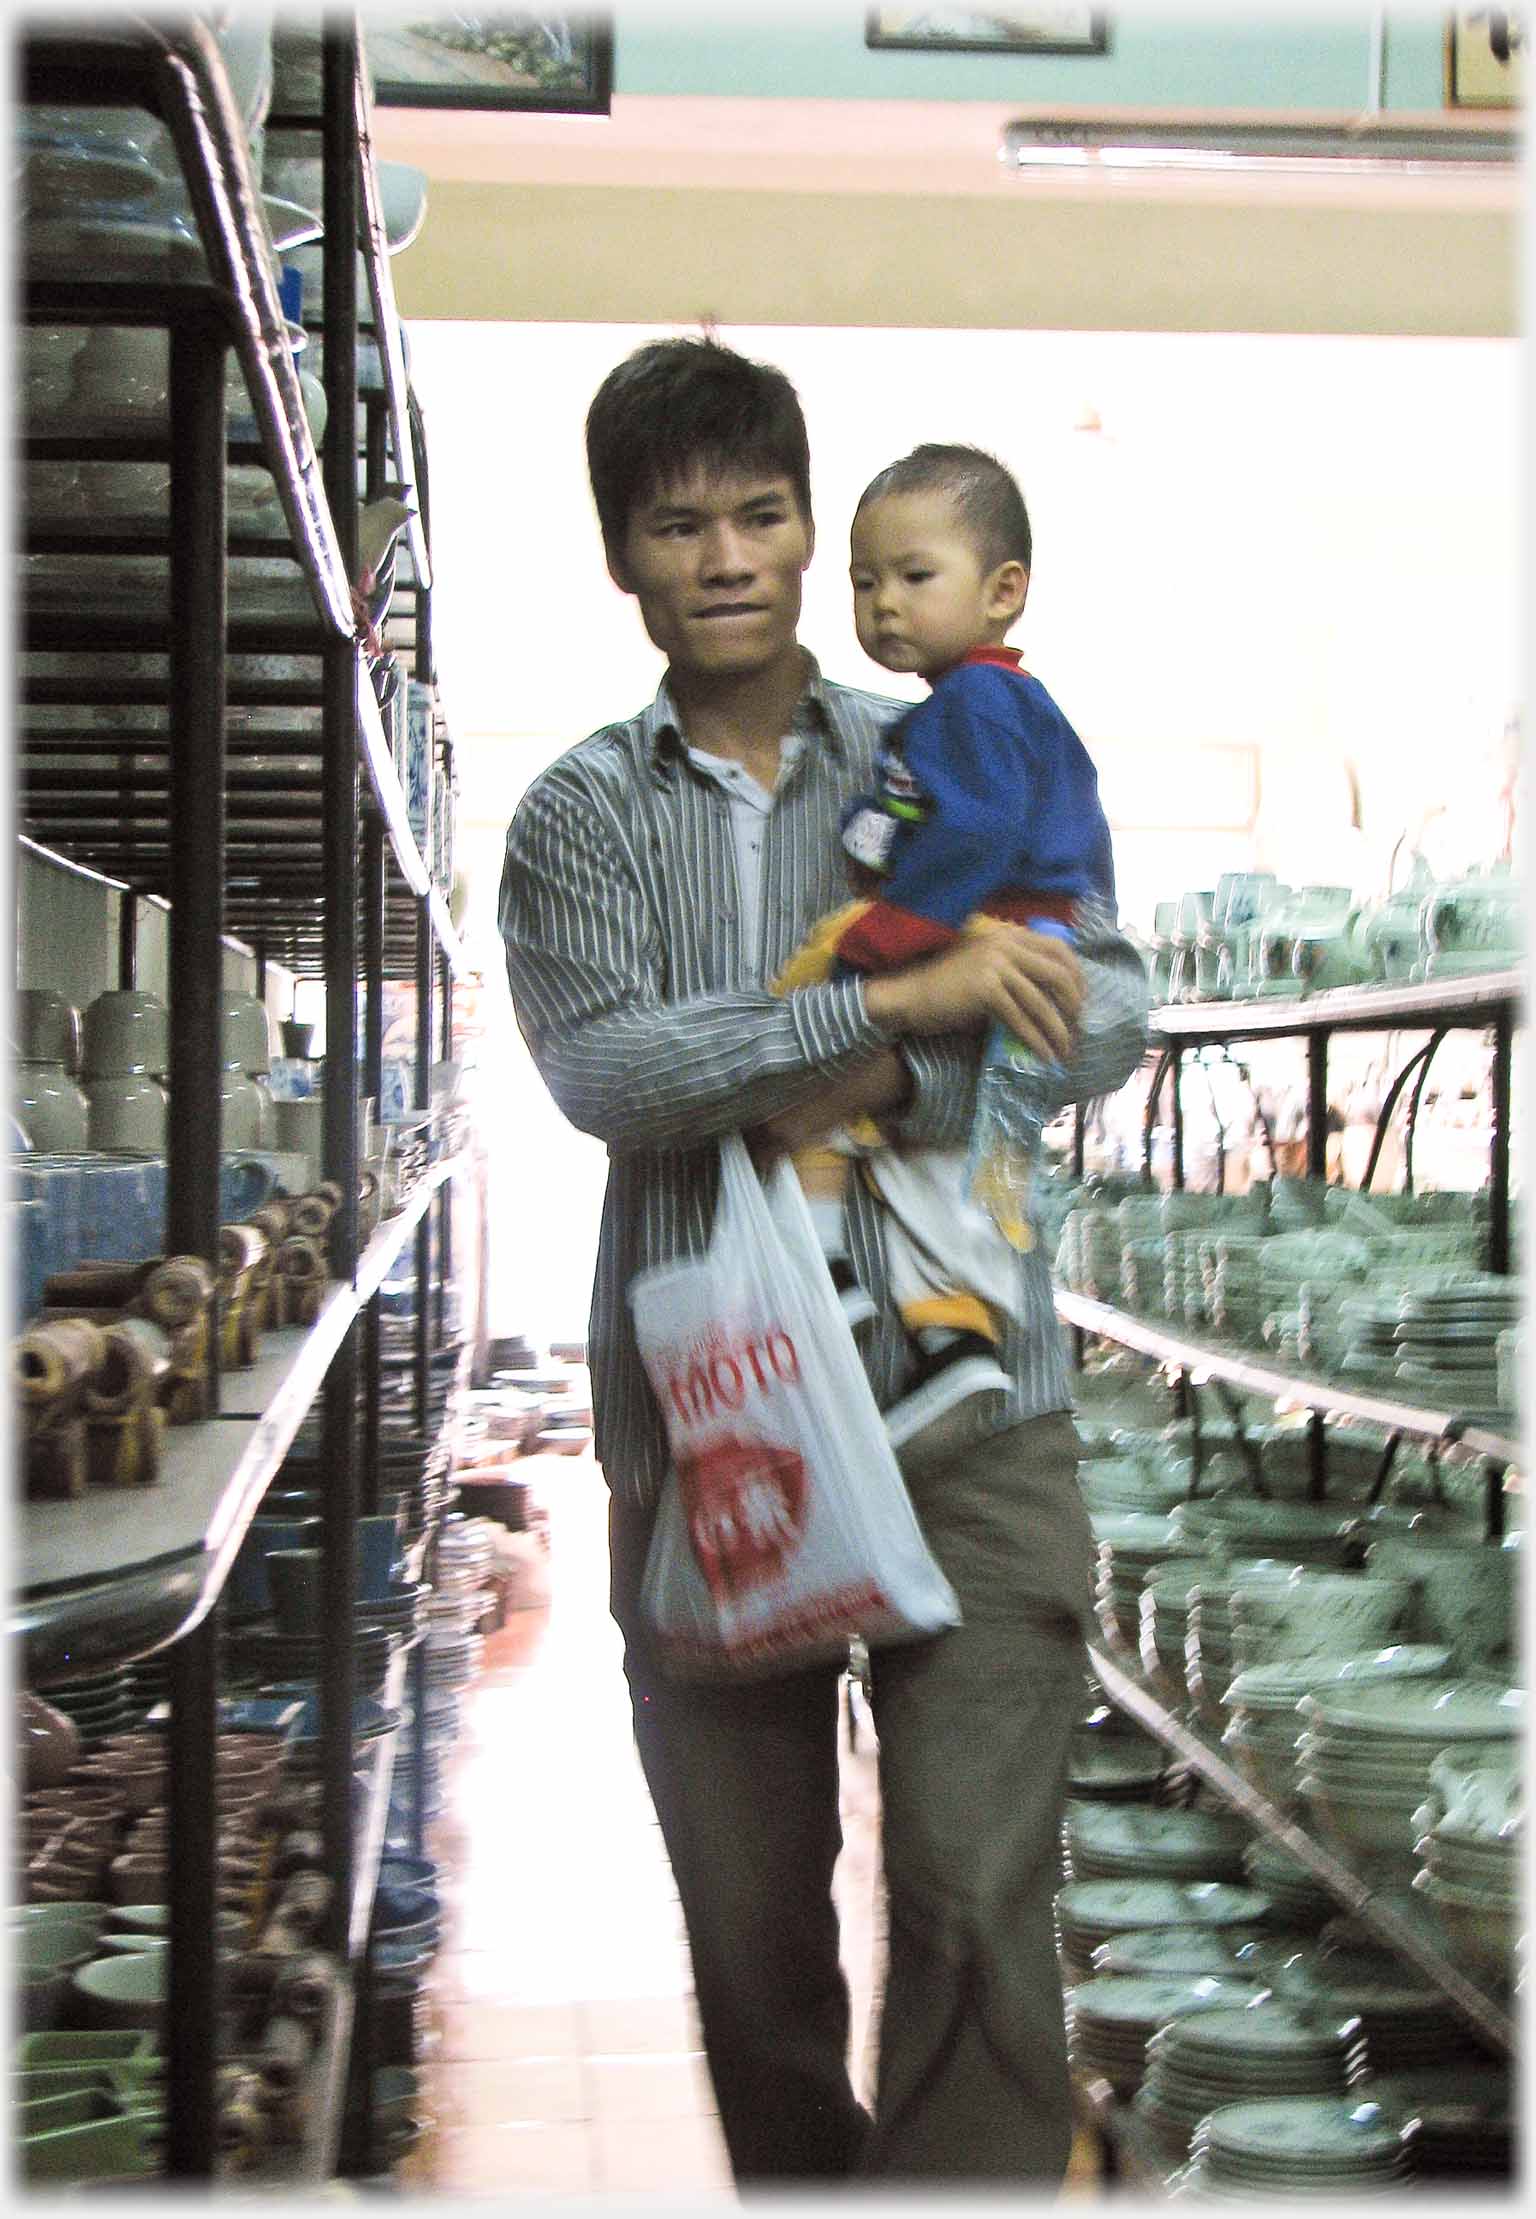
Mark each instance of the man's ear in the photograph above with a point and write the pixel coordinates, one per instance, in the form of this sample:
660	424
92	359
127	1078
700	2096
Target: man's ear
810	543
1006	592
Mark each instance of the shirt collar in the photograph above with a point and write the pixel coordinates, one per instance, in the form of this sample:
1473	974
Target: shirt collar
661	733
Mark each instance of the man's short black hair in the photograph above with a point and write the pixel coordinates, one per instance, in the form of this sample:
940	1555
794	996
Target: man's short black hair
983	490
675	404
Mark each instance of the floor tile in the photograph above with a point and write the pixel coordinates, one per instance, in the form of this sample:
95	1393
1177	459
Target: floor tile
649	2086
507	2091
616	2024
684	2156
481	2026
505	2162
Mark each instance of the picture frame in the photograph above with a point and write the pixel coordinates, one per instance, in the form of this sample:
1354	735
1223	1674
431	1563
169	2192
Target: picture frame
555	63
995	30
1485	58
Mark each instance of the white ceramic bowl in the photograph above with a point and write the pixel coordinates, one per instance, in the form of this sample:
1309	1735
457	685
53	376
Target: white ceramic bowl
47	1027
126	1989
126	1029
245	1031
126	1110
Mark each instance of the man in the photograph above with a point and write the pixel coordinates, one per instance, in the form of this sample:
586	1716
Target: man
655	877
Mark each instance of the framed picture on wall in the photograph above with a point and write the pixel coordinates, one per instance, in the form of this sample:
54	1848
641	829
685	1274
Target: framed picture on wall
546	60
997	30
1485	59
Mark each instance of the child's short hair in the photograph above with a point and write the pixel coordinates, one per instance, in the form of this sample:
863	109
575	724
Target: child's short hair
985	493
676	403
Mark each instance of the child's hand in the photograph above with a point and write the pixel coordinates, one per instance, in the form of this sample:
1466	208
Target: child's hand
1029	982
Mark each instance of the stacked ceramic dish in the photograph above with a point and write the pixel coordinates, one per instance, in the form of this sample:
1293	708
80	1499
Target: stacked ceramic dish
1406	2021
1302	1904
1231	1283
1237	1523
1264	1726
1088	1912
1109	1767
1113	2017
1267	2048
1459	2120
1365	1753
1309	1612
1164	1607
1470	1859
1465	1591
1131	1543
1187	1950
1297	2146
1143	1843
1208	1626
1133	1479
1446	1335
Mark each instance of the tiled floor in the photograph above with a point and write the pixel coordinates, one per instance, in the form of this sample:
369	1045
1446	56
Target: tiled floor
568	2059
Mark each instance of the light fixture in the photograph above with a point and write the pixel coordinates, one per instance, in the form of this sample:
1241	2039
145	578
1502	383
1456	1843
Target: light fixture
1330	146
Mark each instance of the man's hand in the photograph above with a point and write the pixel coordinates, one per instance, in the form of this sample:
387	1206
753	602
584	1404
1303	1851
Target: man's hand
1030	982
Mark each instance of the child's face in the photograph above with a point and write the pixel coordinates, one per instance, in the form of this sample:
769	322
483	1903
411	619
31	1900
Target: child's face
920	594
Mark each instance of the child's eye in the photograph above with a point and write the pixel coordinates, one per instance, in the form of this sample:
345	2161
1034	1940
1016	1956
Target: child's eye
917	577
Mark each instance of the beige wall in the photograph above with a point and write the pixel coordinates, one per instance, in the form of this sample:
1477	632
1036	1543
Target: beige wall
531	253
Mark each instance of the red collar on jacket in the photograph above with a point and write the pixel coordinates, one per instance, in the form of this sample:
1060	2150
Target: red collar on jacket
1005	658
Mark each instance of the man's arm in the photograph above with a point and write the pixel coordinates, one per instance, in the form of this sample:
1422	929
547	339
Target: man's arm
925	1087
588	976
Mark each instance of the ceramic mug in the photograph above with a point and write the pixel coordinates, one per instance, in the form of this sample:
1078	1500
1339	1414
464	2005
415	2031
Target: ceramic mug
126	1110
126	1029
51	1108
47	1027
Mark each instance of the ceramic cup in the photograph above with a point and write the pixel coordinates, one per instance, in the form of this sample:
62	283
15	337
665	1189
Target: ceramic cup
47	1027
126	1029
51	1108
126	1110
241	1110
245	1032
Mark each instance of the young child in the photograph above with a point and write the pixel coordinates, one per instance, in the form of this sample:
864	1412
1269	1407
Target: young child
987	808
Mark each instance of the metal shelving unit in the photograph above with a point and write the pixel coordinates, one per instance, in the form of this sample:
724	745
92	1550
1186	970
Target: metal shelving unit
307	859
1494	1001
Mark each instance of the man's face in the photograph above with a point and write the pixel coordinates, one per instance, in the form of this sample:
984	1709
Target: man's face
716	563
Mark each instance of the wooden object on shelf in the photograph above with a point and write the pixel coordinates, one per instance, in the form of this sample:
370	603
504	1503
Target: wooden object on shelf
124	1420
176	1293
299	1280
242	1249
54	1358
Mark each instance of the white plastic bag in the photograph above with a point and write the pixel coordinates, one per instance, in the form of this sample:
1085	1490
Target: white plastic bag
784	1527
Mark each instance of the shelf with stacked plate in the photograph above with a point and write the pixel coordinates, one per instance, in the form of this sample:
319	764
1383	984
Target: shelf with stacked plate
205	725
1306	1598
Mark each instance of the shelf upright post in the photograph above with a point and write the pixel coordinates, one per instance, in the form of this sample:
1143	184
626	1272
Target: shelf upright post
1175	1080
373	1081
424	971
445	1197
128	940
196	589
339	819
1317	1168
1498	1144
